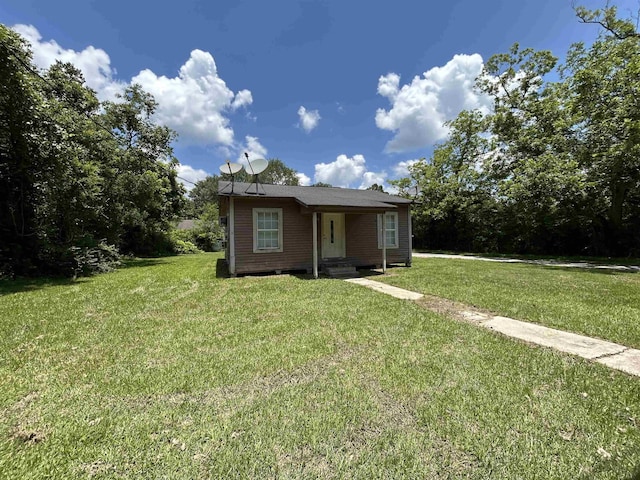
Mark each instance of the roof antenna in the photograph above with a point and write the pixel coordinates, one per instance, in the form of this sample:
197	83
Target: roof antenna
254	168
229	168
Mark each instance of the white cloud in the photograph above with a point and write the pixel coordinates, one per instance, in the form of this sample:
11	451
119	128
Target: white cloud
346	171
94	63
253	148
308	119
419	109
388	85
242	99
194	103
303	179
369	178
391	189
342	172
191	175
401	169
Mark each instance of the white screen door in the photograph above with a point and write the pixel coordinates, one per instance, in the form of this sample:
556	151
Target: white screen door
333	241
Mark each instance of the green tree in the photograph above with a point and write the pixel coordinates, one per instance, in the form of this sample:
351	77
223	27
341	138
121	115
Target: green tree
78	146
604	81
204	193
23	164
453	191
538	181
554	167
208	233
142	179
277	173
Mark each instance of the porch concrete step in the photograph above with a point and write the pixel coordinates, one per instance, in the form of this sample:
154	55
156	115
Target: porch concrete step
340	270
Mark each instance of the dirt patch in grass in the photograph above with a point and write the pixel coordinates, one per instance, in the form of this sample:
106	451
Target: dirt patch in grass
302	458
25	435
26	427
450	308
97	468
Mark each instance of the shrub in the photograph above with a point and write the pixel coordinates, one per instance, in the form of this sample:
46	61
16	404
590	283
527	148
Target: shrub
181	247
89	260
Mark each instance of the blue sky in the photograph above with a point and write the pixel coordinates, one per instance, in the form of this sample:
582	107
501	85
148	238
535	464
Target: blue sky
344	92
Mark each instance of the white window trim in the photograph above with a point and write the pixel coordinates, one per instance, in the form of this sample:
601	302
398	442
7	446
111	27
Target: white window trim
256	211
396	243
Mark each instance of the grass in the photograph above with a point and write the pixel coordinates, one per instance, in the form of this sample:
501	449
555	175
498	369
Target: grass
593	302
561	258
163	370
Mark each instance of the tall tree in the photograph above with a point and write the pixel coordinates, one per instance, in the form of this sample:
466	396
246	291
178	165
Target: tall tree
451	189
277	173
80	148
23	163
204	192
604	81
560	168
146	195
533	162
375	187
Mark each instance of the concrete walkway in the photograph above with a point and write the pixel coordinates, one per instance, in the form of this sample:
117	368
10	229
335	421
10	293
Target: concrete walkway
388	289
610	354
546	263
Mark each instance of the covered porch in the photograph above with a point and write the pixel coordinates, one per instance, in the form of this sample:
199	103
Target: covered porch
344	238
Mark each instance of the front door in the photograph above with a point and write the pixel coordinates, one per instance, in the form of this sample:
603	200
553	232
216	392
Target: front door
333	241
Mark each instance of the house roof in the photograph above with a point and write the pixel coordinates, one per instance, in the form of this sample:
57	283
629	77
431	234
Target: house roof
186	224
330	197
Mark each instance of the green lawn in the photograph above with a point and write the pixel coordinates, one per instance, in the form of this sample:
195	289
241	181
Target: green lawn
560	258
162	370
594	302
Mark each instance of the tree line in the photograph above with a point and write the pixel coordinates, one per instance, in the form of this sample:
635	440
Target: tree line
80	180
554	168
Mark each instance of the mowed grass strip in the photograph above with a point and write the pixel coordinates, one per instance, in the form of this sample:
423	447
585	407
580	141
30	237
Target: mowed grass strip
162	370
593	302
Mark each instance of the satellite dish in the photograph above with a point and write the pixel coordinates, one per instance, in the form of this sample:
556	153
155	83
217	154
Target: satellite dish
230	168
256	166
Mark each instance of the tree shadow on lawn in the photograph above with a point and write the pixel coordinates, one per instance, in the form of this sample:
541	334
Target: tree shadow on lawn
26	284
141	262
18	285
602	270
533	258
392	270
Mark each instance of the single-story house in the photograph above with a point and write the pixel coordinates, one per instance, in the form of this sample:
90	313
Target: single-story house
279	227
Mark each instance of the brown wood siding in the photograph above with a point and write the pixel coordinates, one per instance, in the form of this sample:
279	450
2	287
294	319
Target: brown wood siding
362	239
296	237
360	230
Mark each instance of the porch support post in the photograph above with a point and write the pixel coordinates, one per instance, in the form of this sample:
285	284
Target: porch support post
410	255
315	244
384	242
232	237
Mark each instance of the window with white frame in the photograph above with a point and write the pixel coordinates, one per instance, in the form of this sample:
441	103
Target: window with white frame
390	229
267	230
